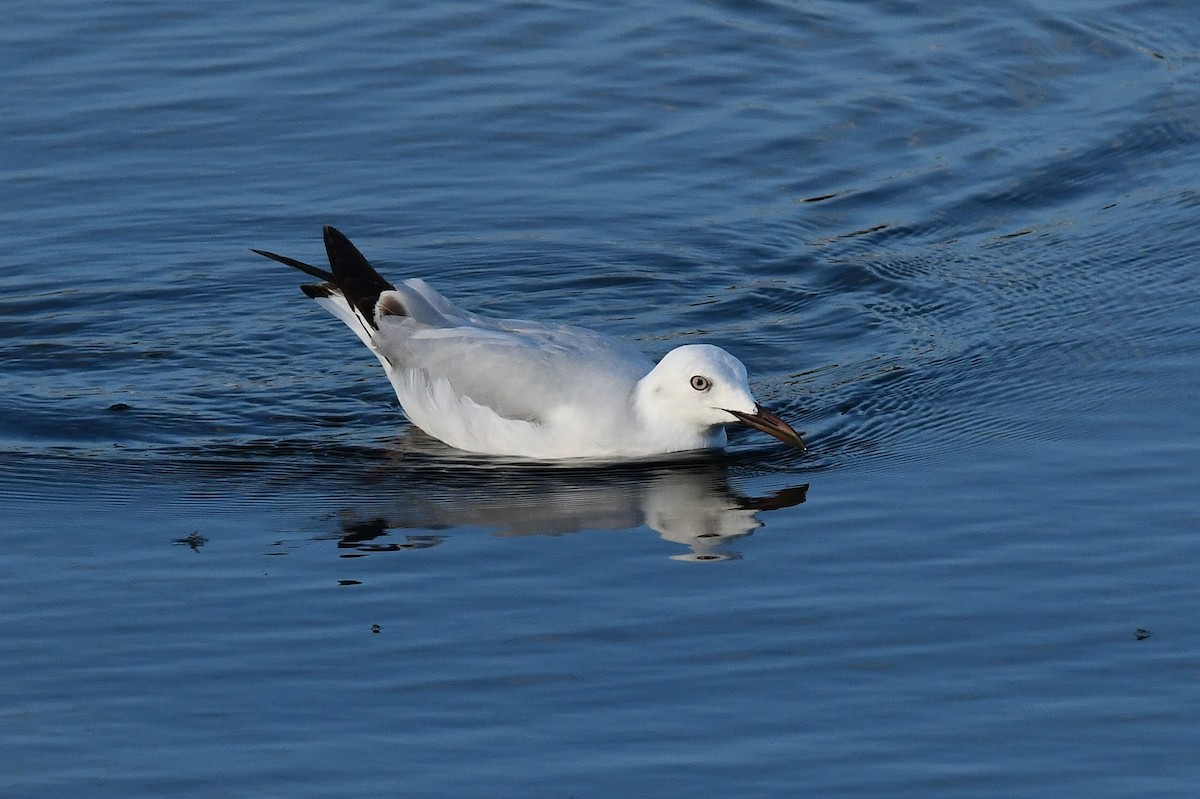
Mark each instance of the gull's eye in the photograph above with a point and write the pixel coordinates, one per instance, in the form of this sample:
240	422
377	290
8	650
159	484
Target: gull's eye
701	383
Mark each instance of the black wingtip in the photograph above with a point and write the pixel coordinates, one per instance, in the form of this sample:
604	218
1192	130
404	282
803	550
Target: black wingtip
307	269
315	292
353	274
346	260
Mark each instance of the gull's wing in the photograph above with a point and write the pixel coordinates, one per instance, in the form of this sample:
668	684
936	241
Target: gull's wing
515	369
518	369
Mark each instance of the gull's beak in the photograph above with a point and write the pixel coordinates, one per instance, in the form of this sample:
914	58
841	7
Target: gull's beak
762	419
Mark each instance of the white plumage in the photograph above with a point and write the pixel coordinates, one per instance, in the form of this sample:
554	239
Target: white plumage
521	388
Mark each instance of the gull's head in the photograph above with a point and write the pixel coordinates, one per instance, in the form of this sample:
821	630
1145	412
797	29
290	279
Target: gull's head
702	387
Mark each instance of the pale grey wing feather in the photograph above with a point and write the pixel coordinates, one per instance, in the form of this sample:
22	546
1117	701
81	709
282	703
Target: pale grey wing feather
425	297
417	300
520	370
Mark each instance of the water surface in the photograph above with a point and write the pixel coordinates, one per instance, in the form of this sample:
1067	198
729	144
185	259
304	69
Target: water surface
954	242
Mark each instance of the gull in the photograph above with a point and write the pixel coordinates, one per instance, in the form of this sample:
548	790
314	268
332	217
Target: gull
517	388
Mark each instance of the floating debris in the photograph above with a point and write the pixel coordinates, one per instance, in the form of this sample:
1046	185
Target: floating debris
193	540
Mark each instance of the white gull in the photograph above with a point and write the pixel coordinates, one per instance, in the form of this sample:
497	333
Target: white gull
527	389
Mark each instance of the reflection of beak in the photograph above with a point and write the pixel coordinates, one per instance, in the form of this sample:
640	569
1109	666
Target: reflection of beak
762	419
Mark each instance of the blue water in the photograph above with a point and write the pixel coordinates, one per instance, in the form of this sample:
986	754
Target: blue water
955	242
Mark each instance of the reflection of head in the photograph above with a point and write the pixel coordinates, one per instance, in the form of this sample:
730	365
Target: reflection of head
695	510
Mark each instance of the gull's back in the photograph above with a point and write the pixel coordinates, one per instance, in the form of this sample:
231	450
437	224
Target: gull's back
519	369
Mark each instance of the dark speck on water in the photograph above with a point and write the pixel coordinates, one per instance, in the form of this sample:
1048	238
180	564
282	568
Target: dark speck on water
955	242
192	540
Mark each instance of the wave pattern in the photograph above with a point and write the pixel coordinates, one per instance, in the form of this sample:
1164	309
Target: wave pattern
898	276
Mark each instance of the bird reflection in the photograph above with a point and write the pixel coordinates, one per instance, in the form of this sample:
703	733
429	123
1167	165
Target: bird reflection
690	504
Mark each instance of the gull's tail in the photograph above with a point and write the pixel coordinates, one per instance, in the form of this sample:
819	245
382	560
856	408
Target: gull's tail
351	290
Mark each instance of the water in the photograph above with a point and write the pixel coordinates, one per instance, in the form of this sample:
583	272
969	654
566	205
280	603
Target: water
955	242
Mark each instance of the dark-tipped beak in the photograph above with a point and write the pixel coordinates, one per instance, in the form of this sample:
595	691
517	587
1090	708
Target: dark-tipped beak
762	419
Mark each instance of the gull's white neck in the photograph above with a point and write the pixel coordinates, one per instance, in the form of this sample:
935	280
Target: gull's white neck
661	429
